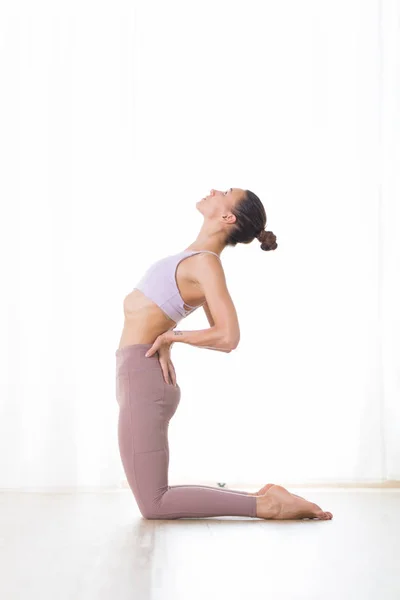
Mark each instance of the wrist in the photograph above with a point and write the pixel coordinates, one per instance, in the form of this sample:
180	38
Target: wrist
175	336
168	336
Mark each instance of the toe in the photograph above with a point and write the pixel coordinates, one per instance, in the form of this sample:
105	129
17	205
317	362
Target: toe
320	514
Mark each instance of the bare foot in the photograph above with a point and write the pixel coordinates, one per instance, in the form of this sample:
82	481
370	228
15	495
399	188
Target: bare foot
279	503
266	487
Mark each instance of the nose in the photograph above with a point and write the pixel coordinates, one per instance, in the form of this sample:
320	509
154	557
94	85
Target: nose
212	192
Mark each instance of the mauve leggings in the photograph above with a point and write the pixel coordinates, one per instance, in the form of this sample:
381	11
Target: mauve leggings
146	405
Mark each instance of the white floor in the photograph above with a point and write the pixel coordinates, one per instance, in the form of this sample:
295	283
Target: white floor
96	546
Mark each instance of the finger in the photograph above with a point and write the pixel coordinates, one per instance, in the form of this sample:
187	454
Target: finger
173	373
164	369
171	377
166	376
150	351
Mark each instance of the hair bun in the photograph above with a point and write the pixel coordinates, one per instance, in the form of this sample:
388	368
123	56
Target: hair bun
268	240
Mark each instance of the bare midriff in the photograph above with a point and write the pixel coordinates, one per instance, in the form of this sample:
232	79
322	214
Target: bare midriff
144	320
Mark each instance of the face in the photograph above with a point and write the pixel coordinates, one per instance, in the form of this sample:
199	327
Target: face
219	203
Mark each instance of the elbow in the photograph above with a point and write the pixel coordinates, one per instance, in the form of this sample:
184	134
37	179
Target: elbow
232	343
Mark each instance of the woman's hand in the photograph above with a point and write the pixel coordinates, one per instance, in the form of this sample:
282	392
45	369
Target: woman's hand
162	345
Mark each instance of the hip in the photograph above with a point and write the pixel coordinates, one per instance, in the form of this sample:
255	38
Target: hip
140	380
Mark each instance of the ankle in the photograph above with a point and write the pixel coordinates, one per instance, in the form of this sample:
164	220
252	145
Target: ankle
266	506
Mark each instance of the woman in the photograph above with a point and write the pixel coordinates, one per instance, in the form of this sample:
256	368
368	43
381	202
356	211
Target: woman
147	390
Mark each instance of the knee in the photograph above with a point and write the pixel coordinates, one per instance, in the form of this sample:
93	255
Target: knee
152	507
155	512
150	512
151	516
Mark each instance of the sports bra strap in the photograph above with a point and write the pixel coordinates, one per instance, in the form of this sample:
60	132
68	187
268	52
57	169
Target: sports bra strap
210	251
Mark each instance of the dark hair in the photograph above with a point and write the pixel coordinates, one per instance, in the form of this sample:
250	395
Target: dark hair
251	220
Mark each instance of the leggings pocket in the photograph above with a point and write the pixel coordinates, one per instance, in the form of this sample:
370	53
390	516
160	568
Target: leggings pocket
141	385
146	385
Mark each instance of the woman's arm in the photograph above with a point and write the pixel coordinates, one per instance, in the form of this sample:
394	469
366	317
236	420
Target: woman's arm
208	314
224	333
212	338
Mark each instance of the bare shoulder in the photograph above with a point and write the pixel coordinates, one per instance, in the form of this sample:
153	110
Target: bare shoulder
205	263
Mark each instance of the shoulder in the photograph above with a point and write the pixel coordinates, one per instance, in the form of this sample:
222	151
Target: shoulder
206	266
206	260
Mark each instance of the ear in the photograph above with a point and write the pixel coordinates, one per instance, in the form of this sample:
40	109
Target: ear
229	218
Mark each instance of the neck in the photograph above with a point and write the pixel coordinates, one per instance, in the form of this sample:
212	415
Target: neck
208	240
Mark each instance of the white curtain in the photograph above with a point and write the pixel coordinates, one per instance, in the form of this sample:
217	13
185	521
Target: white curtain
116	119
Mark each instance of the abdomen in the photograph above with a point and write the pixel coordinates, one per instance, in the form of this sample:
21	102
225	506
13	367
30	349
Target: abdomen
144	320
